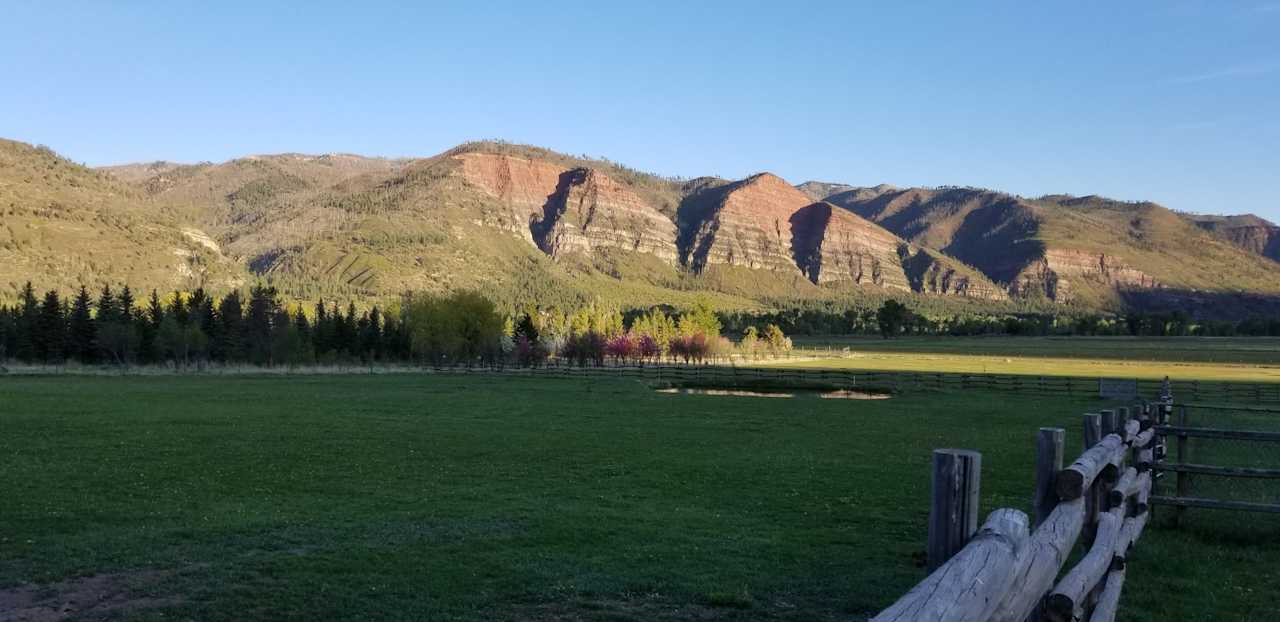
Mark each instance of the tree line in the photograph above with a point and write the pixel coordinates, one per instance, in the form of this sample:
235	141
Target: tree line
893	318
193	329
113	327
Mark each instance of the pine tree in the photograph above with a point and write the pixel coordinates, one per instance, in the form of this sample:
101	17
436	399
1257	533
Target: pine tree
8	334
27	324
178	309
351	331
125	305
304	327
149	330
82	343
258	336
106	307
118	338
371	335
200	307
230	331
322	335
51	330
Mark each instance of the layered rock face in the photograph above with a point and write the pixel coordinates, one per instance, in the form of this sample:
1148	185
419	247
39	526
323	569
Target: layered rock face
749	226
589	211
1249	232
523	187
566	211
932	273
1054	275
831	245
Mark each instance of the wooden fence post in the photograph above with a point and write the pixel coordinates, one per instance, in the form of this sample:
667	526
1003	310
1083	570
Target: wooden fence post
1110	422
1183	482
1092	436
1048	463
953	513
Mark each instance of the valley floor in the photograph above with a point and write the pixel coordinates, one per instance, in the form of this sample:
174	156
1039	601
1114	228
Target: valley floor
479	498
1236	359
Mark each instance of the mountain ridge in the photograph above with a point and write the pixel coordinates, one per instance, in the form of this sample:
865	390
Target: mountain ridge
528	223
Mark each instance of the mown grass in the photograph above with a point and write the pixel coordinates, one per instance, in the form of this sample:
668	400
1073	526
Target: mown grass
449	497
1253	359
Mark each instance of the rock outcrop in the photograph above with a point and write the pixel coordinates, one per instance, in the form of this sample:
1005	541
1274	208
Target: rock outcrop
746	224
1254	234
521	186
567	211
588	211
931	272
1059	272
831	245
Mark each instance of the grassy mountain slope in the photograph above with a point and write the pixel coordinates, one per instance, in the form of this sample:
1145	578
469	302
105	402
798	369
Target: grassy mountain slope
1068	249
65	225
527	225
1254	234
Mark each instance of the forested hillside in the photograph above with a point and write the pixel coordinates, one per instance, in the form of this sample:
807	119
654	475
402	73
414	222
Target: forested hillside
528	226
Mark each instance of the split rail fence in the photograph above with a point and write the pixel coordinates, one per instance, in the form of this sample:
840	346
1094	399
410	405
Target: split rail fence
1010	569
1222	457
1230	392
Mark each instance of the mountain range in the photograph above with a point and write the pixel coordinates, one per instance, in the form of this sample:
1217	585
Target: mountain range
525	224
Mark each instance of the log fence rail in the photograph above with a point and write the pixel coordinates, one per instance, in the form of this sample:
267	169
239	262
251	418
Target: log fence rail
1011	569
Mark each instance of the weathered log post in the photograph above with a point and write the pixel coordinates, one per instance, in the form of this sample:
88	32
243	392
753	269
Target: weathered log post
1049	451
1110	422
953	514
1092	502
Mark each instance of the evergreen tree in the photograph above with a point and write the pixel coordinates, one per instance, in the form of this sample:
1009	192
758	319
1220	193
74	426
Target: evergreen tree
371	335
8	334
27	323
351	331
230	331
525	328
149	330
203	318
287	344
126	305
258	336
322	333
51	330
178	309
303	326
82	337
107	307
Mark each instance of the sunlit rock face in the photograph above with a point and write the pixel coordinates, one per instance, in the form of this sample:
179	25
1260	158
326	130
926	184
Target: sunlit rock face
591	211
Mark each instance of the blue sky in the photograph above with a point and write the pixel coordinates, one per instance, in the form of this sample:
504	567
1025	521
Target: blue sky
1177	102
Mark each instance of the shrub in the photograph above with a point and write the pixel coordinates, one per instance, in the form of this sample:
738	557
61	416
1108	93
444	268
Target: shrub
622	348
689	348
584	348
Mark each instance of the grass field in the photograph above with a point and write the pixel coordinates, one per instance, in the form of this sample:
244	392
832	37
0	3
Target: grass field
1253	359
449	497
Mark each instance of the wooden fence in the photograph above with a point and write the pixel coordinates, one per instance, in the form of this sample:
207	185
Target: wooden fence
1232	392
1235	455
1011	568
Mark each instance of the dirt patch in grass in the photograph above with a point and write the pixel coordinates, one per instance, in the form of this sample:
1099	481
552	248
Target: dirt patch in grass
95	597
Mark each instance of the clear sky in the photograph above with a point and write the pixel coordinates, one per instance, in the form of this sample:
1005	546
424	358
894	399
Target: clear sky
1177	102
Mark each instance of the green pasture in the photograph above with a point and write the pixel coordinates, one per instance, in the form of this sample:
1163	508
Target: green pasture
425	497
1253	359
